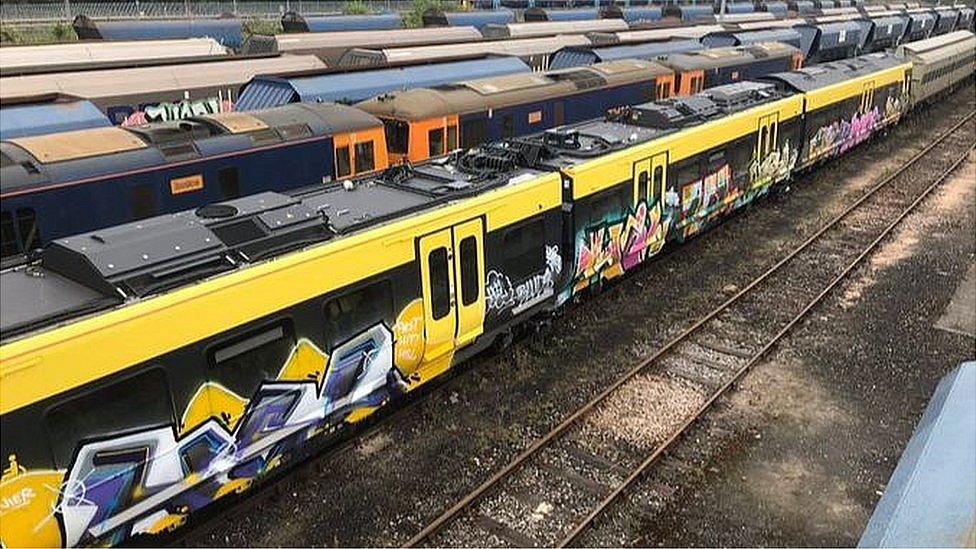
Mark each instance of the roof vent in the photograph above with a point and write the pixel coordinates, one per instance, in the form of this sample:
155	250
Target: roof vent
216	211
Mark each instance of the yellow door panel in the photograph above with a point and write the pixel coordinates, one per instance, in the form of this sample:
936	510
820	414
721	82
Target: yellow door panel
469	273
437	277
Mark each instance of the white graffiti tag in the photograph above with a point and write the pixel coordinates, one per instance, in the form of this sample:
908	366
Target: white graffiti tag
501	294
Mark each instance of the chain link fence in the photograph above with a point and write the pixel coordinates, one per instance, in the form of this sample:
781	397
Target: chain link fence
54	12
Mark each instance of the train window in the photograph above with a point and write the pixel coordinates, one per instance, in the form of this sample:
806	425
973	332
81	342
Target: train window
508	126
452	137
659	180
397	136
9	242
764	137
343	166
364	157
354	312
715	161
242	363
142	201
687	172
469	270
27	227
559	113
642	180
435	142
136	403
524	250
230	187
440	289
473	133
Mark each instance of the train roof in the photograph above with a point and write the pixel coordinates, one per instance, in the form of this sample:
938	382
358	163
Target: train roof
119	265
655	35
935	43
319	42
360	57
570	145
434	17
504	91
292	21
835	72
82	153
225	30
77	55
724	57
575	56
537	14
50	116
264	92
552	28
140	81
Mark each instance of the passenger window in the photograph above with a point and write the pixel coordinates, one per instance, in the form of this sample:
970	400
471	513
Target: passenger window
9	242
242	363
474	133
452	137
440	289
26	237
230	187
435	142
508	126
764	136
397	135
142	200
128	405
469	270
716	161
354	312
364	157
524	254
343	166
642	186
659	180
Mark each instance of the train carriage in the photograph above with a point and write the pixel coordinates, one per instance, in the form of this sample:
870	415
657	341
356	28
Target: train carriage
697	70
424	123
116	175
848	101
295	22
940	63
227	30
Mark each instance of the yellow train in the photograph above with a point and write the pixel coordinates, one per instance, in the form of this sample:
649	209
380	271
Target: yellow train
152	368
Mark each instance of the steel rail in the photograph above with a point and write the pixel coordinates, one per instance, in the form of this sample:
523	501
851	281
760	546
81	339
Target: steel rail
475	495
626	483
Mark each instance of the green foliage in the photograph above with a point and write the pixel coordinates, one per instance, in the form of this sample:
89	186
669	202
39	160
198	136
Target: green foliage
37	33
414	17
356	7
262	26
63	32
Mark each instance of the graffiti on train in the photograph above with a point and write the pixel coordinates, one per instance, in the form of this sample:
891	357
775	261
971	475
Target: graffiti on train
840	136
148	482
166	111
502	295
608	249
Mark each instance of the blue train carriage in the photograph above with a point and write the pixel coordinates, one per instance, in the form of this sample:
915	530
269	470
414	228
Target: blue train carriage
227	30
233	366
697	70
434	17
292	21
72	182
847	102
429	122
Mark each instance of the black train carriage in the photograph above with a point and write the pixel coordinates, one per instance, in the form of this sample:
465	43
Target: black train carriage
405	280
848	101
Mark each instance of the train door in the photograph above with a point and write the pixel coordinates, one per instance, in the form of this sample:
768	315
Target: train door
649	177
867	97
452	273
767	135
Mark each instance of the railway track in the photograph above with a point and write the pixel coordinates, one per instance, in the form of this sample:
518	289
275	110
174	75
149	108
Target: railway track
560	485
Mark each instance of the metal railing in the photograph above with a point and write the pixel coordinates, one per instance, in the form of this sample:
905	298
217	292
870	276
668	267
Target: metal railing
37	12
